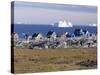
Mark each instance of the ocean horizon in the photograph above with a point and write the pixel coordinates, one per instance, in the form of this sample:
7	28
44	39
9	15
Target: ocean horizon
33	28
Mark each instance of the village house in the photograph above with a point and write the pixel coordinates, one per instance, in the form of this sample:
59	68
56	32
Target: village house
37	37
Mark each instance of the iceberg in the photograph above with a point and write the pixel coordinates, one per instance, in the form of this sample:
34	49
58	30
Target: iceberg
63	24
94	25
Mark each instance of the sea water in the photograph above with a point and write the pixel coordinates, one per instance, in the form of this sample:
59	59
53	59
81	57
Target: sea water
33	28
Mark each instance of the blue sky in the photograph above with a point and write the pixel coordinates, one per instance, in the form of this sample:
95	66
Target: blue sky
46	13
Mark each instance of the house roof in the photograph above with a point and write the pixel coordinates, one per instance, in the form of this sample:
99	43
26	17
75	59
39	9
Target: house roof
35	35
49	33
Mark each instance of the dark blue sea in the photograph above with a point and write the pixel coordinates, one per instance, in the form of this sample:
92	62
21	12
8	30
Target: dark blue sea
24	28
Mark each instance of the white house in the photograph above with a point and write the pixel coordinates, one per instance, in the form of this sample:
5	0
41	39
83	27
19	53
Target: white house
51	35
37	37
16	37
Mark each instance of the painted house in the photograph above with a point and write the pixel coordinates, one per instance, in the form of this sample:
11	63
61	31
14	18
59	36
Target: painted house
37	36
16	37
51	35
86	33
80	32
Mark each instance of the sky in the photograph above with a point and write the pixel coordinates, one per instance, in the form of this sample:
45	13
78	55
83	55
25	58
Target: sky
47	13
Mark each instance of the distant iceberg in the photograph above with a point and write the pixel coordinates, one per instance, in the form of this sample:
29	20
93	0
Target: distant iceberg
63	24
94	25
19	23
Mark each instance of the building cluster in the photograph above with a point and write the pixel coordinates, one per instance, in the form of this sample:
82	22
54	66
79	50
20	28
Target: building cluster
79	38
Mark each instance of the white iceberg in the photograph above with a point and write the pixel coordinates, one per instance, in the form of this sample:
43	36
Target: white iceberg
63	24
94	25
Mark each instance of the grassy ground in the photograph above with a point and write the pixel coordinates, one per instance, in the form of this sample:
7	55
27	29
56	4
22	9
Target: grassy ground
28	60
